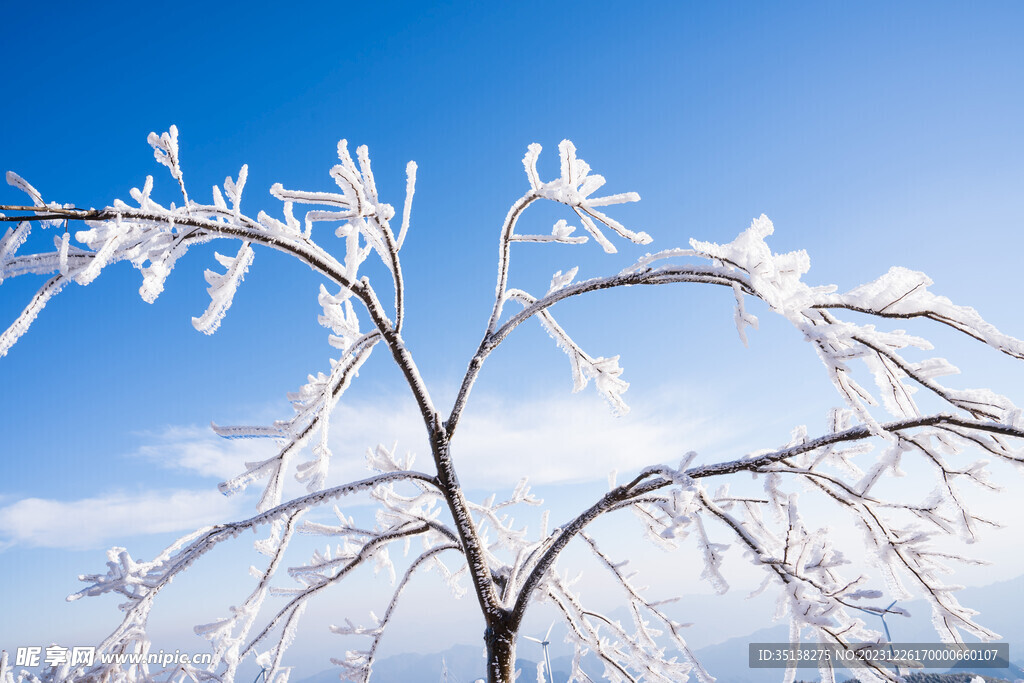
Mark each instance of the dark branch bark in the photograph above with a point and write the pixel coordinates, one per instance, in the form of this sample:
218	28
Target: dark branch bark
853	434
658	276
931	315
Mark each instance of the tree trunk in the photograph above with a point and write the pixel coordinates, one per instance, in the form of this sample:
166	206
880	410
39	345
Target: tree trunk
501	655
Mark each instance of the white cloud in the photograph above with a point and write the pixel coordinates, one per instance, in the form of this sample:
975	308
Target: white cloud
566	439
199	450
109	519
561	440
570	438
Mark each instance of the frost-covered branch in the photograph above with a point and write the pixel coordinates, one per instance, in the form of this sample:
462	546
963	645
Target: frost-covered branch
226	639
140	582
604	371
313	406
358	665
652	659
669	501
557	541
318	580
857	433
508	567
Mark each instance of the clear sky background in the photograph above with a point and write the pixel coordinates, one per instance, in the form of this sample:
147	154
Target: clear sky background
872	134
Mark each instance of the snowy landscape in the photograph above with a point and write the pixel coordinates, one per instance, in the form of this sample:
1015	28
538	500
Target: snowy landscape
364	359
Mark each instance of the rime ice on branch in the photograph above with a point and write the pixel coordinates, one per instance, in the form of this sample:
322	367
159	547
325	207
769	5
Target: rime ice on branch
507	568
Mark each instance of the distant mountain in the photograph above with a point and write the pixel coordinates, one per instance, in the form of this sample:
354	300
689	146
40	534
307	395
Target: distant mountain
997	605
465	663
941	678
727	660
1011	672
416	668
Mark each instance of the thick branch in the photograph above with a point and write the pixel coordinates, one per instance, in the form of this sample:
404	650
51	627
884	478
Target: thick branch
852	434
609	501
647	276
305	250
642	484
931	315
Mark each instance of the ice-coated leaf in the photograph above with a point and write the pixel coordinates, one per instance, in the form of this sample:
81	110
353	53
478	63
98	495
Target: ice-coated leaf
560	280
28	315
10	243
15	180
410	190
573	188
165	150
223	287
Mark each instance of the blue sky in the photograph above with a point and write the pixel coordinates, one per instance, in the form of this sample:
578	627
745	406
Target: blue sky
870	134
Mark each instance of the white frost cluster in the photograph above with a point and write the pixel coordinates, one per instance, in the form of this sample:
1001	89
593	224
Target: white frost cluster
573	188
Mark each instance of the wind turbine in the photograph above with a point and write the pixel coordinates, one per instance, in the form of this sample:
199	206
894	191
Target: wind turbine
900	670
547	659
